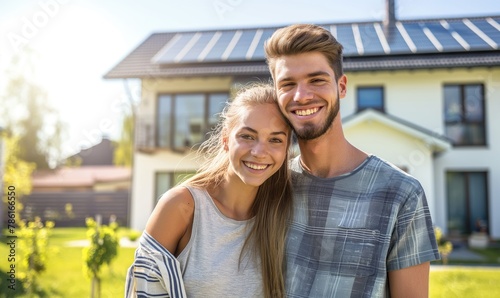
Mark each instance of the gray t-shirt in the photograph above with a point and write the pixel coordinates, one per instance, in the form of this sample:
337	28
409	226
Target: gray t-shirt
210	261
349	231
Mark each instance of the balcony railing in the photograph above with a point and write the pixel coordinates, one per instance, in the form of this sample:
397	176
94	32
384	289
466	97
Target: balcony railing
145	134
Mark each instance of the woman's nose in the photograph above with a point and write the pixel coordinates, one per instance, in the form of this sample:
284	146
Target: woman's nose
259	150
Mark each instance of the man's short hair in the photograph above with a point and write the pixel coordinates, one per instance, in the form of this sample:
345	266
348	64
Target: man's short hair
304	38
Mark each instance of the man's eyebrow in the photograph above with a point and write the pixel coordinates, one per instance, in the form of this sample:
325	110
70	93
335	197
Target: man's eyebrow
309	75
318	73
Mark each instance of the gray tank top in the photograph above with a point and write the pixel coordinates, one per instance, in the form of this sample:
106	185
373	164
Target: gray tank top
210	261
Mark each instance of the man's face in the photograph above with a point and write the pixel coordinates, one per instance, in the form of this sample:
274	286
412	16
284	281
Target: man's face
308	94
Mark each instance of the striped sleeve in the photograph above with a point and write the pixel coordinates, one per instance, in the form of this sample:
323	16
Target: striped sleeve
154	273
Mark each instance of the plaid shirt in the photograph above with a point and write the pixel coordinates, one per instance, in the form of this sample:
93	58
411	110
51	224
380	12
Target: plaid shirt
349	231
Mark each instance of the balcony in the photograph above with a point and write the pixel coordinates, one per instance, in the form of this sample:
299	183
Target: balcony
145	134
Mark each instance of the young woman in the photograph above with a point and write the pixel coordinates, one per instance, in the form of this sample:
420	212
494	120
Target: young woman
221	233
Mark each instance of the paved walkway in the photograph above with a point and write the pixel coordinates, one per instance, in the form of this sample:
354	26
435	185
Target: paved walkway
464	254
124	242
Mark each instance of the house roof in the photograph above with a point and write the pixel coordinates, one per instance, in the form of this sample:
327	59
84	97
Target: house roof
436	141
98	155
80	176
427	43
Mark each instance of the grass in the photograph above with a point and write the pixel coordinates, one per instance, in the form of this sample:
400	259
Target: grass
454	281
65	278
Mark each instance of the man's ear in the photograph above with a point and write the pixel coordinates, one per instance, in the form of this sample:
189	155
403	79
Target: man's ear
342	86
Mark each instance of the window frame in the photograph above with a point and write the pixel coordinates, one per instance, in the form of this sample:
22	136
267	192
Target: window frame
467	174
170	143
463	112
382	93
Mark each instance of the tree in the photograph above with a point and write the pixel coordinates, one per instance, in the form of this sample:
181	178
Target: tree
124	153
33	247
17	171
125	145
102	250
29	116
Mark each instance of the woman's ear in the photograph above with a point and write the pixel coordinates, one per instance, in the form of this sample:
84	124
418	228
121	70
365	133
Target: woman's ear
224	143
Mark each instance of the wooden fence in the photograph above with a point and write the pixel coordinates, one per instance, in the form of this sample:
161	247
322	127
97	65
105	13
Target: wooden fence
55	206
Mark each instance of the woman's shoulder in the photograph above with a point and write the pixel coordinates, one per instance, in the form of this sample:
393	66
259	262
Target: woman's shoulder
173	213
178	196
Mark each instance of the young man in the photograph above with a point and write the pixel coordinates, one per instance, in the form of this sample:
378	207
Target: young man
361	227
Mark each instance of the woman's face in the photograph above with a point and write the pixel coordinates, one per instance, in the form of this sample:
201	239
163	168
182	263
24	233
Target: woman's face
257	145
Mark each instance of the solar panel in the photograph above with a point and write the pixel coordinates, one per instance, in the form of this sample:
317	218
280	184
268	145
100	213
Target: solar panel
358	39
259	50
489	30
168	53
346	38
220	46
418	37
475	42
242	45
397	42
370	39
444	36
197	48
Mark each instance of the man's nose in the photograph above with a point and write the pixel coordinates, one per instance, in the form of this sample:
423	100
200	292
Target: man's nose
303	93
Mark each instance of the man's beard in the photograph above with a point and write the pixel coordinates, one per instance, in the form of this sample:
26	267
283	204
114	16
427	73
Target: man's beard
310	132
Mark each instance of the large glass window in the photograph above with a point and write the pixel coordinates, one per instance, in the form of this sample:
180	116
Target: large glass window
467	202
370	98
464	114
183	120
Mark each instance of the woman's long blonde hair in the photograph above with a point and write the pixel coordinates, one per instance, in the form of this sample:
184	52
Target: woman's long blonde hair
272	207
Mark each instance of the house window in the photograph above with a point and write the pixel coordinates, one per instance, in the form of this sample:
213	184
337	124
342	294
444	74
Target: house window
183	120
166	180
467	202
370	98
464	114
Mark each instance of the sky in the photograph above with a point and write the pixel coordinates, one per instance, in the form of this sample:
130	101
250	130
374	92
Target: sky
73	43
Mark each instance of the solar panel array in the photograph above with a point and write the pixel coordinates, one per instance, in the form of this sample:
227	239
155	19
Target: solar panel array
358	39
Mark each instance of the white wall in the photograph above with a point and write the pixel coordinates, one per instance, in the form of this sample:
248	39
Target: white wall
143	184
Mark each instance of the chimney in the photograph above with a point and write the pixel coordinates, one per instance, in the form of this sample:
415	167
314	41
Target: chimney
390	17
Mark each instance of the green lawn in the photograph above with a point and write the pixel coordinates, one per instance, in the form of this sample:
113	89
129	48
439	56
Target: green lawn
65	278
456	281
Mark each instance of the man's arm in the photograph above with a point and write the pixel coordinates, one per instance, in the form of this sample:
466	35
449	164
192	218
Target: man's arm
411	282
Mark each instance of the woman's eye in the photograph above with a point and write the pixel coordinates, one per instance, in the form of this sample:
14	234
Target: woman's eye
276	140
246	137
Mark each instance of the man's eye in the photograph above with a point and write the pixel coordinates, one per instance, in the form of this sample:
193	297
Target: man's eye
287	85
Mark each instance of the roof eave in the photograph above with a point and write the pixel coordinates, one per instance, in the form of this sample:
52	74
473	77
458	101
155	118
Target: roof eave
435	141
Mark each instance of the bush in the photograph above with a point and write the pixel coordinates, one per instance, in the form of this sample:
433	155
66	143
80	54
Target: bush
445	247
133	235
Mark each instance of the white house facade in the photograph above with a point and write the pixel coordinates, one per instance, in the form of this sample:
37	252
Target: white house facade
422	94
